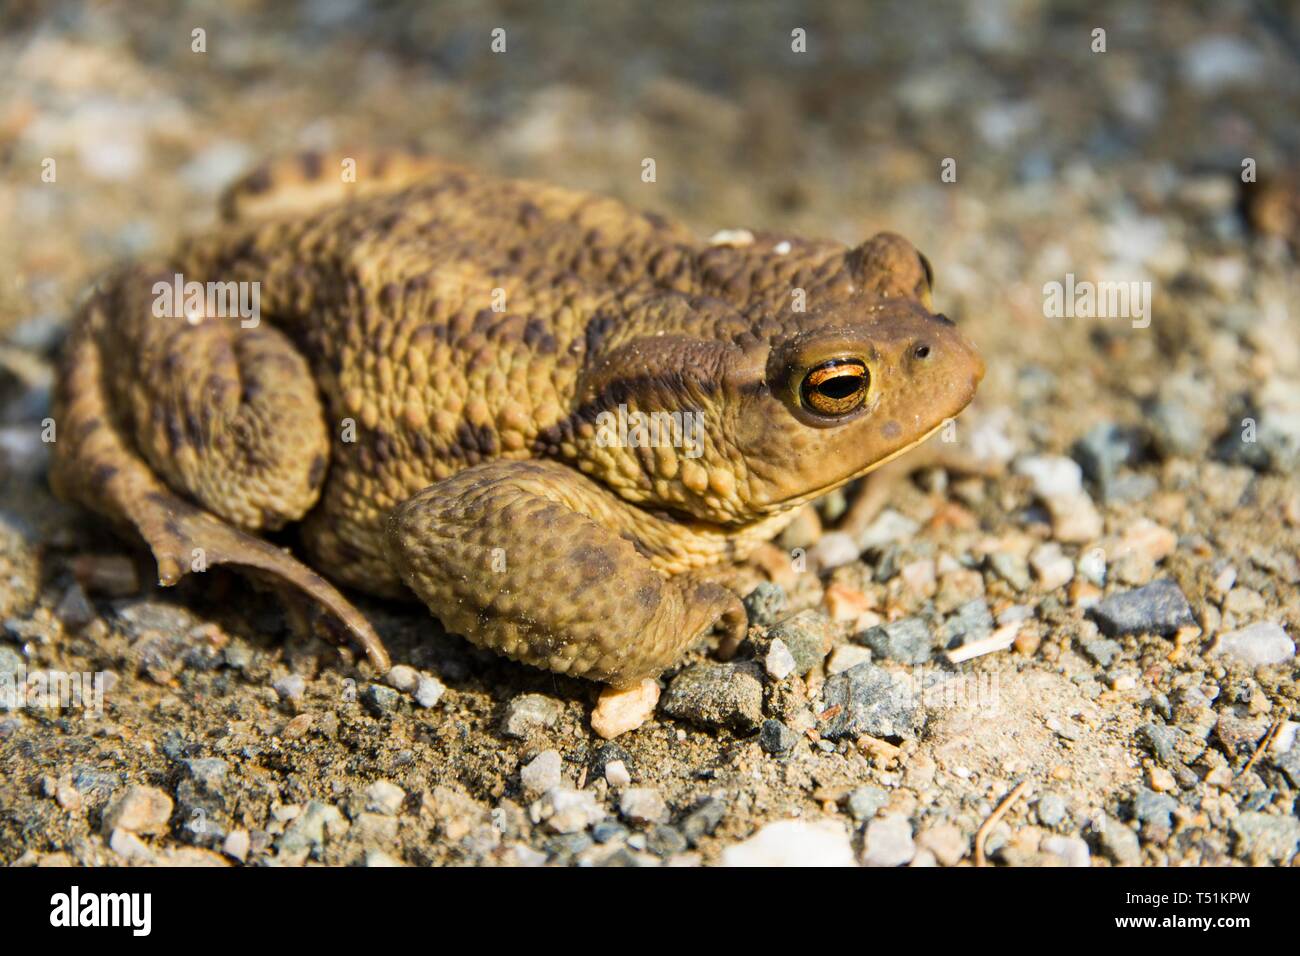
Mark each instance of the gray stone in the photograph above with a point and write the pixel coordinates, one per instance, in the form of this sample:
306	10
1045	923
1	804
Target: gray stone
529	714
703	820
1158	608
1263	837
663	840
865	802
1289	763
1177	417
609	831
808	636
1104	450
380	700
869	700
1011	568
208	772
776	738
1118	842
1162	742
971	621
717	695
1051	809
764	604
1154	808
907	641
888	841
1103	650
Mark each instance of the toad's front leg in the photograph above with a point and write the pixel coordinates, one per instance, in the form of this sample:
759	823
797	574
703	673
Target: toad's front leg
532	559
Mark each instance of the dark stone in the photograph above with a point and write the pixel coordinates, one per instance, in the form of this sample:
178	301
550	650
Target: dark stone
380	700
907	641
1159	608
867	699
703	820
776	738
764	604
717	695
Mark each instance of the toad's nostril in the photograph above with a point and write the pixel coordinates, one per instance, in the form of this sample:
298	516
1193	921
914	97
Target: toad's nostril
921	351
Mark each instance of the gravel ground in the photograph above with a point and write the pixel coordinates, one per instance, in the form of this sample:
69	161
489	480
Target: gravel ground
1092	614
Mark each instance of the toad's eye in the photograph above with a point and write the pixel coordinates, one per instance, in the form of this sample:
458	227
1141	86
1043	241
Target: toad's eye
836	387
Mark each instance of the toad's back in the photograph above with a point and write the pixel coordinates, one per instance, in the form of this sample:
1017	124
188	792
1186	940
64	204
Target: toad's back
448	323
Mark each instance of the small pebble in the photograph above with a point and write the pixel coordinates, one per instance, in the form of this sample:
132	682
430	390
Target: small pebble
642	805
834	549
778	662
793	843
541	773
529	714
428	691
139	809
1257	645
1052	568
403	677
1072	851
236	845
776	738
717	695
385	797
764	604
619	711
291	687
616	774
888	841
907	641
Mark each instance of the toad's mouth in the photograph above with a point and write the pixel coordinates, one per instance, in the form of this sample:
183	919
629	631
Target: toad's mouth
788	503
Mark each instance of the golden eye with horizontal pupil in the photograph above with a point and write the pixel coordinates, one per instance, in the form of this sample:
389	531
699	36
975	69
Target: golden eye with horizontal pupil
836	387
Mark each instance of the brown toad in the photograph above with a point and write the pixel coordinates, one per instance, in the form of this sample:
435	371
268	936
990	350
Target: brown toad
545	413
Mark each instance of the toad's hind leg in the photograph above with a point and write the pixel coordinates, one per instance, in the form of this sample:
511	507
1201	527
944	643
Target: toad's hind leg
538	562
143	399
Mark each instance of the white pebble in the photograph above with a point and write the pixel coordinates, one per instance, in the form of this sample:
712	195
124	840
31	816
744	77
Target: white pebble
779	662
1262	643
429	691
793	843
